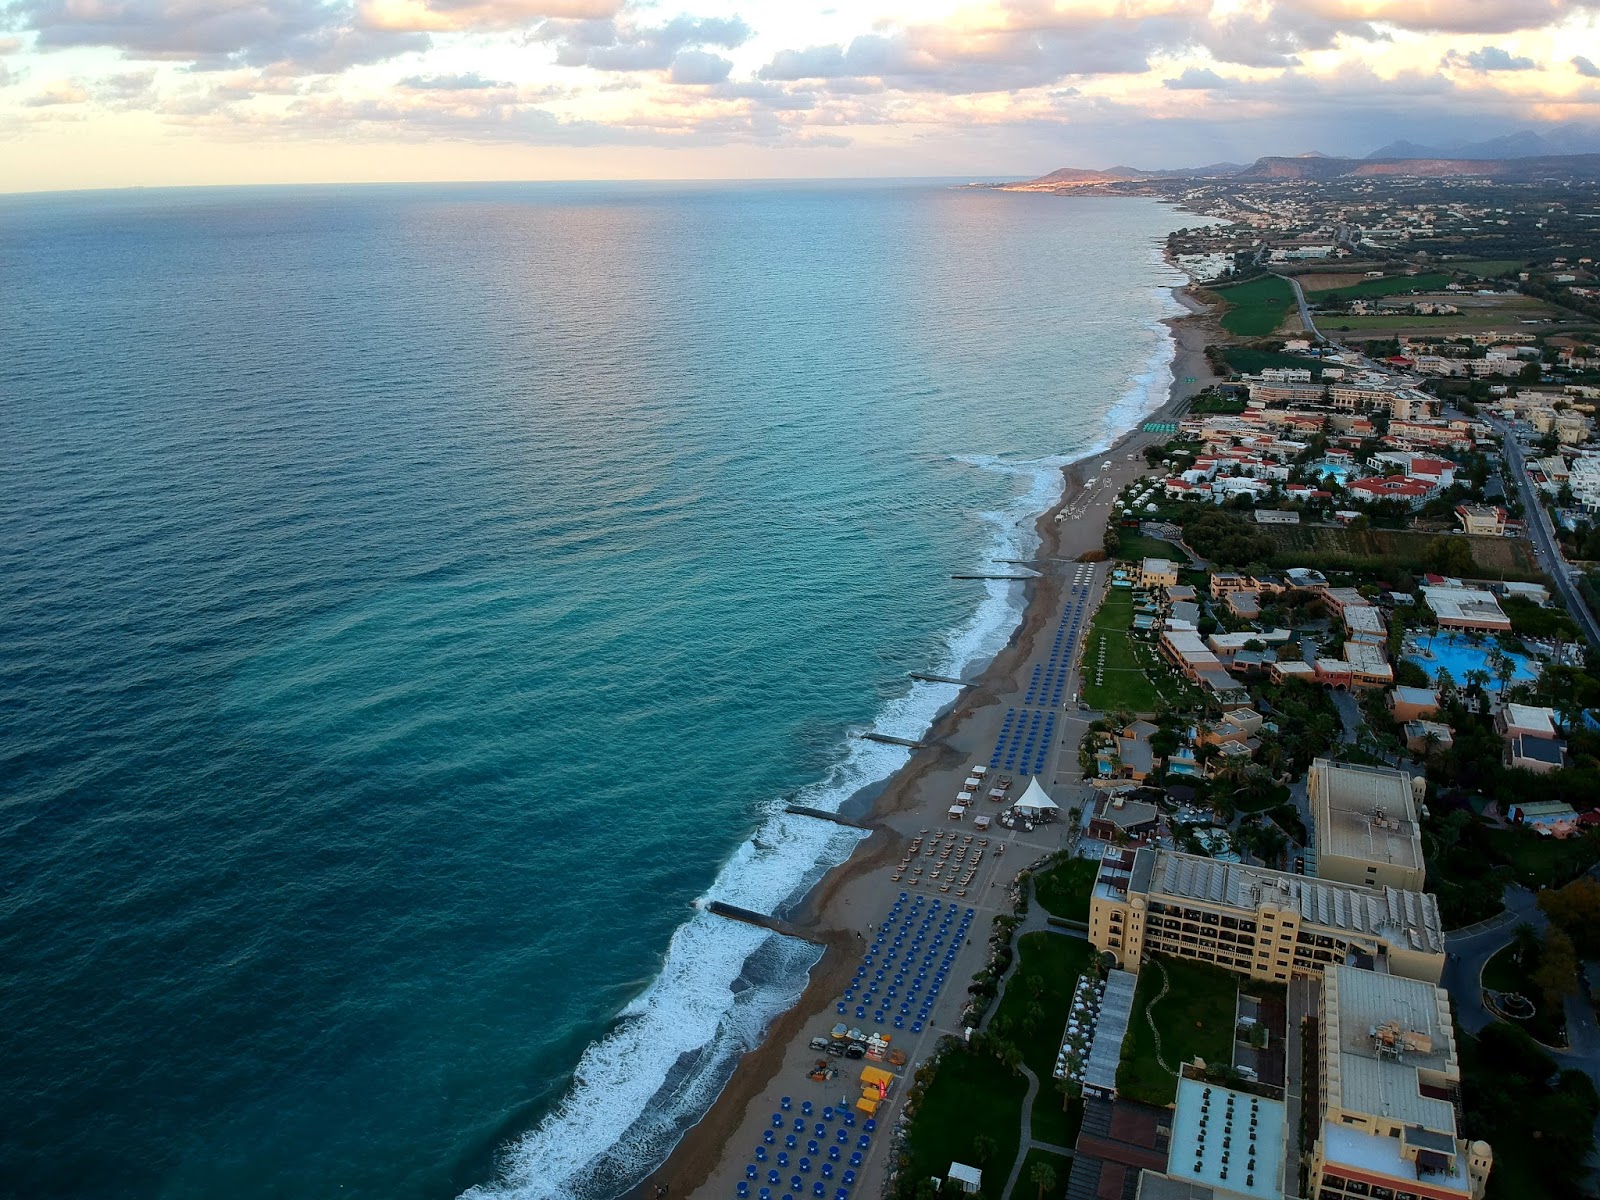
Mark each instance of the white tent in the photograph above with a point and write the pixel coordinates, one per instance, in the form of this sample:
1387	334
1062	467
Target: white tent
968	1179
1034	799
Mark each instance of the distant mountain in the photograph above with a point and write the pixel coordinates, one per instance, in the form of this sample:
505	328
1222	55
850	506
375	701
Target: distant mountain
1509	170
1555	140
1084	177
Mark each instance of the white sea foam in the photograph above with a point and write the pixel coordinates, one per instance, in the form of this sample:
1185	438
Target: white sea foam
673	1048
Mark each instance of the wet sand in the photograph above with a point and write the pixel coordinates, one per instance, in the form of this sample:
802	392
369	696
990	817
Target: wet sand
710	1159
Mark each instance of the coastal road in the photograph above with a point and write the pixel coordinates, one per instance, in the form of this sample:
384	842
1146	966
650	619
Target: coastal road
1305	311
1543	535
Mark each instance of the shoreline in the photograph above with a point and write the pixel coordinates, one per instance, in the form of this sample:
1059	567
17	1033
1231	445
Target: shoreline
827	914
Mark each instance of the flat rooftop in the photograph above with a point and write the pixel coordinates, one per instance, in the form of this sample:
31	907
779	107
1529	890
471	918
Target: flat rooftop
1343	1147
1404	919
1368	813
1207	1115
1389	1029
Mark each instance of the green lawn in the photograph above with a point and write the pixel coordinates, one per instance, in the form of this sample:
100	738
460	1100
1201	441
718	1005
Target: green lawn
1133	546
1249	362
1052	1122
1033	1010
1063	890
972	1096
1126	685
1389	285
1536	860
1503	974
1195	1018
1026	1189
1257	308
1340	321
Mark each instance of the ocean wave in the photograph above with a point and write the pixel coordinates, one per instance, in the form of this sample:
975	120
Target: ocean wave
673	1048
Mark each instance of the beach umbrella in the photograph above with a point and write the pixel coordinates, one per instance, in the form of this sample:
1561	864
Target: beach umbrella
744	1188
783	1159
777	1120
751	1173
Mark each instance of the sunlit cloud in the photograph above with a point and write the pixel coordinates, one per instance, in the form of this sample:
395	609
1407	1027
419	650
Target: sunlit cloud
884	86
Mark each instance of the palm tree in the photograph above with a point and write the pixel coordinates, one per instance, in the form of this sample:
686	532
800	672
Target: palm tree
1043	1176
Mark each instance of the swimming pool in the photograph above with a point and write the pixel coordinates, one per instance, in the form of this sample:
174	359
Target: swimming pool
1455	653
1339	472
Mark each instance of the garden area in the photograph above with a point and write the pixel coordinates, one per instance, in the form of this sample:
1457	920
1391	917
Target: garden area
1512	969
970	1112
1258	307
1126	686
1194	1018
1050	1183
1133	546
1033	1009
1539	1123
1246	360
1063	890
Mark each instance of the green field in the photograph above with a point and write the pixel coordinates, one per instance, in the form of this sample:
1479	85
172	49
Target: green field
1133	546
1249	362
1341	322
1389	285
1488	268
1063	890
1127	686
972	1096
1195	1018
1256	308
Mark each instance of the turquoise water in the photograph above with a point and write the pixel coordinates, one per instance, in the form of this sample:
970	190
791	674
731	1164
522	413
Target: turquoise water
414	598
1456	653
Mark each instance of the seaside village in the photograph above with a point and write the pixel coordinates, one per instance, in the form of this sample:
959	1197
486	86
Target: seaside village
1279	877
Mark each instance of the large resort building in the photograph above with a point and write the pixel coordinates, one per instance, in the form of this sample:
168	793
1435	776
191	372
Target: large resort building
1267	924
1388	1084
1366	825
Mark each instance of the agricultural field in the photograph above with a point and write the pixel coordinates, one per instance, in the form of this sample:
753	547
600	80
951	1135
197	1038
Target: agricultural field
1258	307
1389	285
1489	268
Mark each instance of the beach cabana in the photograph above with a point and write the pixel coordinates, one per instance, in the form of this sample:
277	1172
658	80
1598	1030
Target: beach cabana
956	812
1034	802
968	1179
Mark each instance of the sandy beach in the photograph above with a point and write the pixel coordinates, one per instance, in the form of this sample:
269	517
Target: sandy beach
841	911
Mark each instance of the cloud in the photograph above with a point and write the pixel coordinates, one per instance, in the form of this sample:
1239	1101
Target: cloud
1445	16
699	67
1585	67
1489	58
469	82
312	36
448	16
58	94
1196	79
614	46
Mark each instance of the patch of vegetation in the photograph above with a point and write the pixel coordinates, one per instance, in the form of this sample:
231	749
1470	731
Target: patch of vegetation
1228	538
1516	968
1246	360
1389	285
1530	620
1127	687
1057	1114
1376	551
1540	1123
1195	1019
1047	1184
970	1111
1033	1009
1256	308
1133	546
1063	890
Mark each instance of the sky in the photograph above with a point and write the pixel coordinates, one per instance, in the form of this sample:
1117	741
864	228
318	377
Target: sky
117	93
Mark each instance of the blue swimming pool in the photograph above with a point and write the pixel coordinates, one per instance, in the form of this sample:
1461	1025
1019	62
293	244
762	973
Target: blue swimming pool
1454	652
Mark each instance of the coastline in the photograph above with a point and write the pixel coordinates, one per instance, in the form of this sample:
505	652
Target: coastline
832	913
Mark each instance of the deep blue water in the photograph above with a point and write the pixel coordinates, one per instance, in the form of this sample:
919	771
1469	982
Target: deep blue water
411	599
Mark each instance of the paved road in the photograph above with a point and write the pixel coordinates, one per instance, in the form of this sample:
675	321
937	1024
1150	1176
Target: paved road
1305	312
1544	539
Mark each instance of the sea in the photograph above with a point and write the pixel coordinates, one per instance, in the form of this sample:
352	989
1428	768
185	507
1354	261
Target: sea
414	599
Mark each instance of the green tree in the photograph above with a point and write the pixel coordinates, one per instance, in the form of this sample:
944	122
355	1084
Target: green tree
983	1148
1557	973
1576	909
1043	1177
